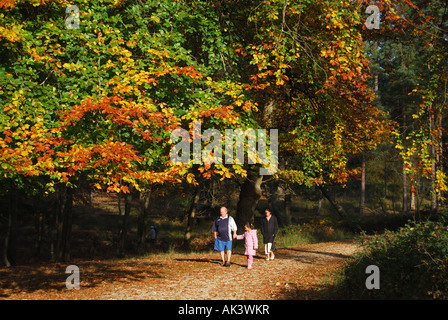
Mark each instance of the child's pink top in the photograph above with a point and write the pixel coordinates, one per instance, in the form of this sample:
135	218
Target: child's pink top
251	242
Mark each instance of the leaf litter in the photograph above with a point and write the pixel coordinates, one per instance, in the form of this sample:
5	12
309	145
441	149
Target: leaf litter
295	273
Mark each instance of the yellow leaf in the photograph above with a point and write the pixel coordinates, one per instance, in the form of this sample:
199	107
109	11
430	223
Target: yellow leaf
155	19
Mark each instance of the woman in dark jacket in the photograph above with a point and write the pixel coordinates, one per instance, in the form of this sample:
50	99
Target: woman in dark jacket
269	229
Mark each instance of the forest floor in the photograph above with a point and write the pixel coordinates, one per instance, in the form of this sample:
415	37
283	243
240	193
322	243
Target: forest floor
302	272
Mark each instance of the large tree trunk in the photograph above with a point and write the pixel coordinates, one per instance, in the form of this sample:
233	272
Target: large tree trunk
273	201
250	194
61	233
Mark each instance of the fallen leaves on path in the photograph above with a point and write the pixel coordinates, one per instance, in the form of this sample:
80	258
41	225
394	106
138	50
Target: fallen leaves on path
295	273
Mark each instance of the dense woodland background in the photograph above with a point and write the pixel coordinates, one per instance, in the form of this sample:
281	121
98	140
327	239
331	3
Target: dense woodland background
87	113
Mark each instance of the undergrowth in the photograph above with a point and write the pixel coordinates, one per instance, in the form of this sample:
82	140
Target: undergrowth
312	232
412	262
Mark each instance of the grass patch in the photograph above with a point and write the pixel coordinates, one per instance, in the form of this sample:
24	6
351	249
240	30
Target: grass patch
316	231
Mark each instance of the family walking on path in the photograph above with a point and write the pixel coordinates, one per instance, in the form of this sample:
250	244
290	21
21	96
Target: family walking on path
224	230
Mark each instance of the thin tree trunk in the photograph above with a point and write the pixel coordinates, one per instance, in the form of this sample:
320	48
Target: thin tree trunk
288	212
363	186
192	213
63	224
319	203
39	232
339	209
405	206
319	207
433	160
405	179
56	229
440	149
9	254
59	223
144	205
405	190
124	226
413	190
385	180
67	225
413	196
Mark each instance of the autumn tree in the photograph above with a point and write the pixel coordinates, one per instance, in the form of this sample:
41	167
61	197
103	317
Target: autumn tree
307	70
92	96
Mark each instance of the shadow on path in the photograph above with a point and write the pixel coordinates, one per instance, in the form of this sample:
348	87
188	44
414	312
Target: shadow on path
29	279
235	260
332	254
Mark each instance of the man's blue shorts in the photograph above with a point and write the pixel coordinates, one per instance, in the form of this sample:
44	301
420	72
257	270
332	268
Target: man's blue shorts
223	245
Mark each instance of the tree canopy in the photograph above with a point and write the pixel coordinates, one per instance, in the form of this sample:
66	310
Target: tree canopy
92	91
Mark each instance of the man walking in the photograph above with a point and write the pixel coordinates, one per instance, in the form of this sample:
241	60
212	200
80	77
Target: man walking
223	227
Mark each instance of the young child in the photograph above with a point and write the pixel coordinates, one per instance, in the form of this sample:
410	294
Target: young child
251	243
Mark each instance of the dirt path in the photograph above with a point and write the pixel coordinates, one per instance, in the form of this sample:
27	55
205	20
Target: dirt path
295	273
